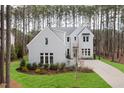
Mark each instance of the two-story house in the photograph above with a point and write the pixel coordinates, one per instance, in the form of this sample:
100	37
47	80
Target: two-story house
57	45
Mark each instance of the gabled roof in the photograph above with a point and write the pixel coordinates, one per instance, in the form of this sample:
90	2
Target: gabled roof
88	30
67	30
46	28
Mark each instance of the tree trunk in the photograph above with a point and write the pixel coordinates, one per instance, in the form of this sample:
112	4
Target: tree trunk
2	46
118	36
65	19
113	53
15	26
100	33
73	15
23	39
107	33
8	46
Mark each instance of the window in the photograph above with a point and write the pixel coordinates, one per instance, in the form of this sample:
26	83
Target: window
46	53
88	52
51	58
67	51
41	58
85	52
46	41
82	51
67	39
74	38
41	53
46	58
51	53
84	38
87	38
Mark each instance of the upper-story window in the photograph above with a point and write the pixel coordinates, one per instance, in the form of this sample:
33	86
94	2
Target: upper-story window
46	41
85	38
68	39
74	38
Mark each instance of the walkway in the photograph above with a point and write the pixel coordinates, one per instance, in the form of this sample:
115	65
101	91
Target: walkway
111	75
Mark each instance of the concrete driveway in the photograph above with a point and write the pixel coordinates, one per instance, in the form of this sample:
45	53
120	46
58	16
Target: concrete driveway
111	75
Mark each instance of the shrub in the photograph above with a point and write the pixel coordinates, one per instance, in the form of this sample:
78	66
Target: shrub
22	63
34	66
29	66
24	69
57	66
70	68
61	66
38	71
40	64
53	66
46	66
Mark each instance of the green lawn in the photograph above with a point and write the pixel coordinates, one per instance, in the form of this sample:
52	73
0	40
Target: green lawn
116	65
85	80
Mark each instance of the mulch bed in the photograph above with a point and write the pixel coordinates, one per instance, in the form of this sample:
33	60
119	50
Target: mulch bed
47	72
51	72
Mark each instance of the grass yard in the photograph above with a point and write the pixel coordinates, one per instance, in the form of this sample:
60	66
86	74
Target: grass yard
116	65
64	80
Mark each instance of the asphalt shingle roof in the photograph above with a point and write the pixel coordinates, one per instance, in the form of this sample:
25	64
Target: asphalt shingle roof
68	30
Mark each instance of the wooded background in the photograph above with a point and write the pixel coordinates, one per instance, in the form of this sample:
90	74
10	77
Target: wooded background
105	21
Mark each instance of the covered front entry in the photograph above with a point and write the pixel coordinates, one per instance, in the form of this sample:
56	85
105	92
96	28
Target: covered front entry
46	58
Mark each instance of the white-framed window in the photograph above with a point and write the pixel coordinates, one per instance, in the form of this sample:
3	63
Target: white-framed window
82	51
41	58
68	39
85	38
85	52
75	38
88	52
68	52
46	58
51	58
46	41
